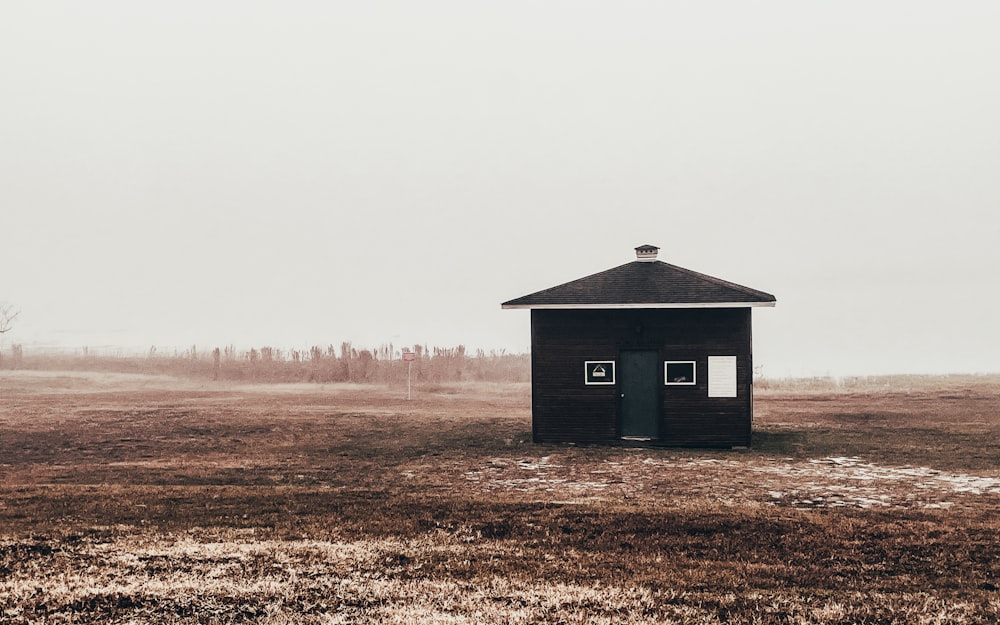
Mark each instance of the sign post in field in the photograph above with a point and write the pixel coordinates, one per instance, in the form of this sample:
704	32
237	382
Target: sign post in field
408	358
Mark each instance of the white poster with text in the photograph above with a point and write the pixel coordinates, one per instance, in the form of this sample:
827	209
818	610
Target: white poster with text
722	376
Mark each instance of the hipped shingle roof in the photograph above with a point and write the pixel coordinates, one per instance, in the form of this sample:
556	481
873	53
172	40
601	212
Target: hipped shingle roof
640	284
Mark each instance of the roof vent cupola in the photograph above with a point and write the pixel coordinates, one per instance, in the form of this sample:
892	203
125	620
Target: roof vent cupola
646	253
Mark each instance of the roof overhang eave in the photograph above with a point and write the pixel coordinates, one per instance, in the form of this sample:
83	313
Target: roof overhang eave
635	306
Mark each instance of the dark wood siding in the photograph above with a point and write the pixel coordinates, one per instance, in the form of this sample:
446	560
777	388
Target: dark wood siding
564	409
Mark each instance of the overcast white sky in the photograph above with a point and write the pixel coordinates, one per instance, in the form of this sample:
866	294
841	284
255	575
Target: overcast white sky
299	173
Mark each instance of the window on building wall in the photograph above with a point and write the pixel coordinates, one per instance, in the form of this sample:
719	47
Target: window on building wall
679	372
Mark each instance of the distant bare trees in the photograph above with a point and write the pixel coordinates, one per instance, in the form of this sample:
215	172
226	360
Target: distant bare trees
7	316
381	365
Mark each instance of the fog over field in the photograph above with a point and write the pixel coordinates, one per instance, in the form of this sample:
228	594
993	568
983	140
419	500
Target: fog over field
217	173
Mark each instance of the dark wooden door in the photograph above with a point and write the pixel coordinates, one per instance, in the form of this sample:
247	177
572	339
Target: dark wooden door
640	394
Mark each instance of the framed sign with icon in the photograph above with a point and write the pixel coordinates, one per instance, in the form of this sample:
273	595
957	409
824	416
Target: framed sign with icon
599	372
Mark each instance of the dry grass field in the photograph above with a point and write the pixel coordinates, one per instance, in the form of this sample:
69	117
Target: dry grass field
144	499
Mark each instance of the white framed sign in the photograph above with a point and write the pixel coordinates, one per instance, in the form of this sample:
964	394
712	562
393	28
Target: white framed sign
722	376
679	372
599	372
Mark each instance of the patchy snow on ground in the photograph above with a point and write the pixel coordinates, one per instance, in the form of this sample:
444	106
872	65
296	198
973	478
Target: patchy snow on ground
531	475
840	481
816	483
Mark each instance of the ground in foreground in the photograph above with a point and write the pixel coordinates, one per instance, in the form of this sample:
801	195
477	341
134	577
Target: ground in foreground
137	499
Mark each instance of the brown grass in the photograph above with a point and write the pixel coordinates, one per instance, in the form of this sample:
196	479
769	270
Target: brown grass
149	499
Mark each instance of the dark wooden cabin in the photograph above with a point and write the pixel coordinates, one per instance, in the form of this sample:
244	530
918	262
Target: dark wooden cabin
645	353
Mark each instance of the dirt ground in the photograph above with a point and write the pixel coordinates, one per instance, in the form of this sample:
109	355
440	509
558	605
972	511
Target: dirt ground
127	498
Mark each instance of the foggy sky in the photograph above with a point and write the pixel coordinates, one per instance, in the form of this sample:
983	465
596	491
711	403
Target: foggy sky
291	174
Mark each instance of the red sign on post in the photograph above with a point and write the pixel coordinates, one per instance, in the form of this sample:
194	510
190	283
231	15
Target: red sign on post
409	356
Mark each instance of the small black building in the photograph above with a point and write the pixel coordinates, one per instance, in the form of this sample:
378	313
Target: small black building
644	353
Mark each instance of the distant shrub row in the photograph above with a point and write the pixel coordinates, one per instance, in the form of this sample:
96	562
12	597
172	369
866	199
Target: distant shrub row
382	365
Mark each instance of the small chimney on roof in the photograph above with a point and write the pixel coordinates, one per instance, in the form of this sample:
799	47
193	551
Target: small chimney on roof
646	253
